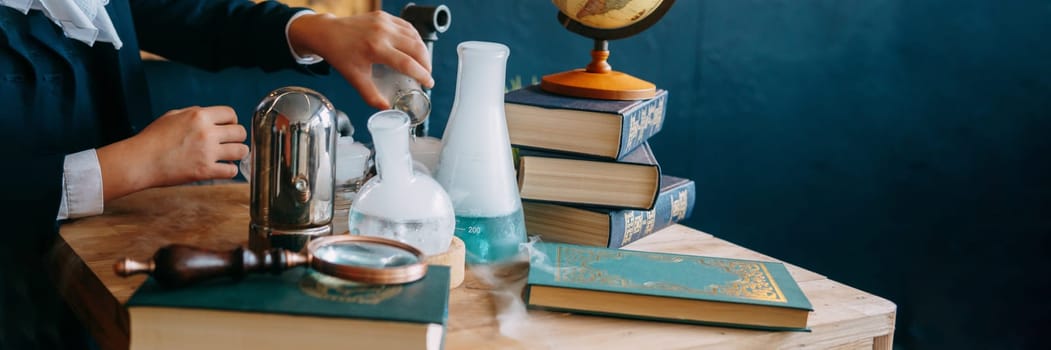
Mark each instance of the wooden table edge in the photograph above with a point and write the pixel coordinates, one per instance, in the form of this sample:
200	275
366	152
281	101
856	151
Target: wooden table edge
92	300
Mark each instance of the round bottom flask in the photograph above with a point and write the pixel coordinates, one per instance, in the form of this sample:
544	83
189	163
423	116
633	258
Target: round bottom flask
398	202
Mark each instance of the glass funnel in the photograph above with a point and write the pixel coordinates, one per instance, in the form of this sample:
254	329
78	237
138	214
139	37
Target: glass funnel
475	165
400	203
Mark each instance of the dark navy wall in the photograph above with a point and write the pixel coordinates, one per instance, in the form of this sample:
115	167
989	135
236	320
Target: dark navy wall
898	146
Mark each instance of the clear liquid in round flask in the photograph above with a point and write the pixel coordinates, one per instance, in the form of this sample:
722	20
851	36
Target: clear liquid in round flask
400	202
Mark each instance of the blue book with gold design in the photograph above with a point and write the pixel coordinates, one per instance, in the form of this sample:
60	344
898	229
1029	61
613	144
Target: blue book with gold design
665	287
606	129
611	228
298	309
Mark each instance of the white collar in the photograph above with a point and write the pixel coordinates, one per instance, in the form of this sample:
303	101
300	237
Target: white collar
83	20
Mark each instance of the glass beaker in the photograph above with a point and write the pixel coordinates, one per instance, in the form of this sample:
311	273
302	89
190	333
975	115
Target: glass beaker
398	202
475	165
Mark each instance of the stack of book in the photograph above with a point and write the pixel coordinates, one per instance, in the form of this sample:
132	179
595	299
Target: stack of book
586	172
590	184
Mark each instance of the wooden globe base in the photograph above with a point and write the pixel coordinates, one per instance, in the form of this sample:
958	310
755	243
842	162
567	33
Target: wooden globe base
598	81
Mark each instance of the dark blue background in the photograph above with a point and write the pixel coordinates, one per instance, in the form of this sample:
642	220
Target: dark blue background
898	146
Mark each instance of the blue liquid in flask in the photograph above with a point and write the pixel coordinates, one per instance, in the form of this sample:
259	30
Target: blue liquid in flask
491	239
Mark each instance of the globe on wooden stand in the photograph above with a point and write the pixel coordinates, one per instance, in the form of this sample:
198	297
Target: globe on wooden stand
604	20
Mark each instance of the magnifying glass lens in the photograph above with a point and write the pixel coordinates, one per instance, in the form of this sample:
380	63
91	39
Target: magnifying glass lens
365	254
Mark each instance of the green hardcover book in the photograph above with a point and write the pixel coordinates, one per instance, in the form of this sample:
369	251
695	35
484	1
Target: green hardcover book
298	309
665	287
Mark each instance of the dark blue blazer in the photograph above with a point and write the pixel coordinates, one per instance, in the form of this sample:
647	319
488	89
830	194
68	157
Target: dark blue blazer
43	117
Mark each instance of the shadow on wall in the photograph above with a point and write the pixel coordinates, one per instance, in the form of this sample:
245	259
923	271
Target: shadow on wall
900	147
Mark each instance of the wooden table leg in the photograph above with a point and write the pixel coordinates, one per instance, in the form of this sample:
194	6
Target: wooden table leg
89	299
884	342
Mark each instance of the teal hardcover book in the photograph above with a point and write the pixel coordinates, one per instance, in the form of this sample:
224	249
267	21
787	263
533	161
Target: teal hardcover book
297	309
665	287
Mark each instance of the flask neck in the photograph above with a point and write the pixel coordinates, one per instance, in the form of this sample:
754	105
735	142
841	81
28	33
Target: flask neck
481	72
390	133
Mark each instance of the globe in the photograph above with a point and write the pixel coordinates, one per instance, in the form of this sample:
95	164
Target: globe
602	21
607	14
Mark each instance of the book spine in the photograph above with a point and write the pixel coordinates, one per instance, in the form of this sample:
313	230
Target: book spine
641	123
673	206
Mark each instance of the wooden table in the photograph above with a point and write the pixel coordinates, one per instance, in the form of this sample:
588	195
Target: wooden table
217	216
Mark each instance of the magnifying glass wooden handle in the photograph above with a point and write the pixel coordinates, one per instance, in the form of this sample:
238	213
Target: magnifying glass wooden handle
178	265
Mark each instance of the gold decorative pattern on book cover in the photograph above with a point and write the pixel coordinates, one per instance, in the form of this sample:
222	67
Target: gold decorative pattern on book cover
638	223
651	117
679	204
573	264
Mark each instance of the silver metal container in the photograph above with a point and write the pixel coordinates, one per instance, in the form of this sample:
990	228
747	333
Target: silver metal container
294	133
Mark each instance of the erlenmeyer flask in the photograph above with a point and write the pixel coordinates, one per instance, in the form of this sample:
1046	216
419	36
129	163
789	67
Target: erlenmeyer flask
399	203
475	165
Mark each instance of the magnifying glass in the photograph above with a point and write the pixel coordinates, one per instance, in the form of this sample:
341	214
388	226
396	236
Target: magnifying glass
362	259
